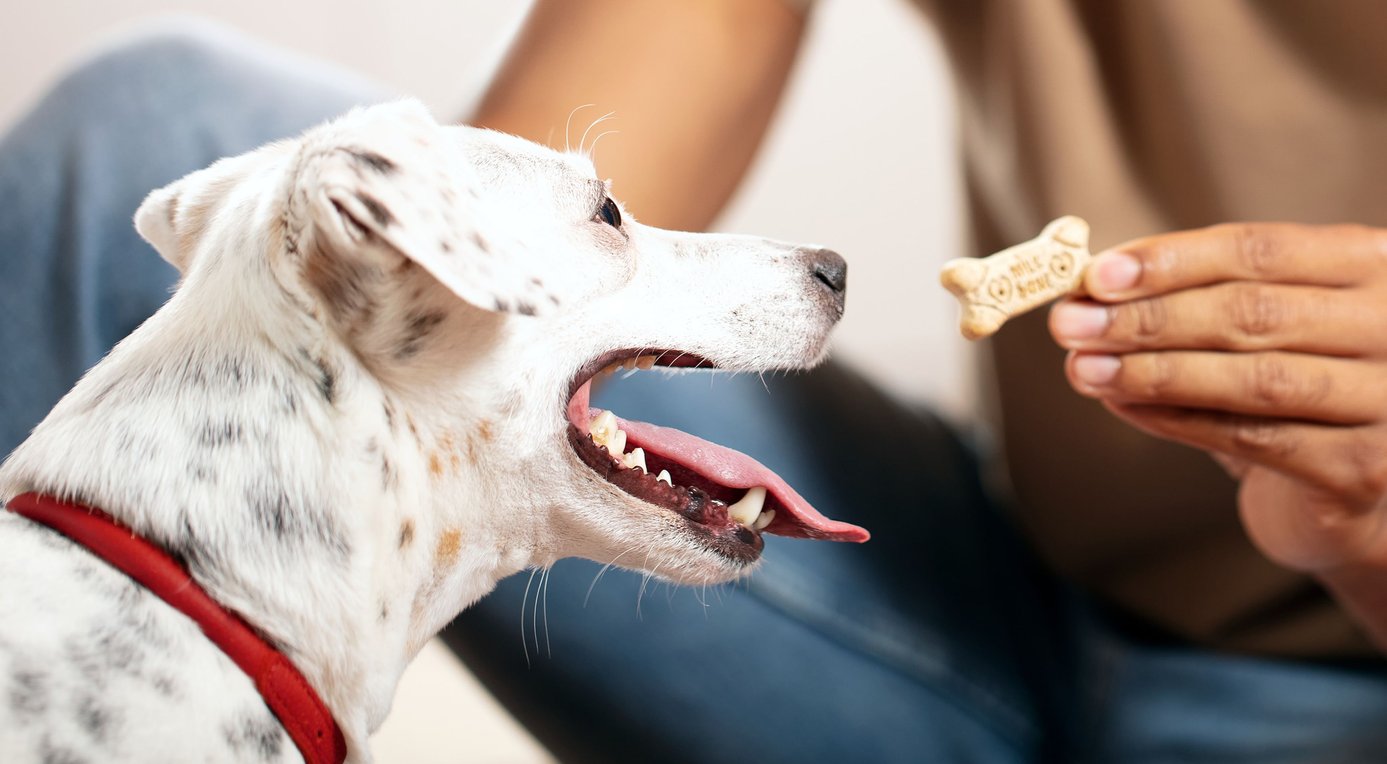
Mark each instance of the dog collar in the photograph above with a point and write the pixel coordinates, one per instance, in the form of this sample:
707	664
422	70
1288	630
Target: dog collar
302	713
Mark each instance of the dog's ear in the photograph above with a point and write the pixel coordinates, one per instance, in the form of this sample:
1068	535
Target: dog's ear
156	222
392	175
174	218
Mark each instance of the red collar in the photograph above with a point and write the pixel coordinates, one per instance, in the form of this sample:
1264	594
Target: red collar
309	723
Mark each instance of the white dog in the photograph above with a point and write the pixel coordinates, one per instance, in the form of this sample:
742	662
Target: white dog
367	402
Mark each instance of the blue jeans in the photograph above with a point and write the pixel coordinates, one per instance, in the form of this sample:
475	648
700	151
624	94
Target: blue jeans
942	640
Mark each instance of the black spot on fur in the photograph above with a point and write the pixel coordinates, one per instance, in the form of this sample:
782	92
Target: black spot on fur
295	520
95	718
186	546
524	308
28	693
501	305
103	394
52	753
387	473
374	161
406	533
215	434
535	280
289	399
445	246
389	411
109	651
378	211
384	612
165	685
327	379
201	470
417	328
255	733
481	242
135	444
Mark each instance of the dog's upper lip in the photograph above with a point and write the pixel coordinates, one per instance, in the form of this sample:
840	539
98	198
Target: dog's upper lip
728	468
667	358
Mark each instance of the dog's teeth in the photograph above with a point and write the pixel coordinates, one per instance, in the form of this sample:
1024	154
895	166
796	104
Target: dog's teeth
767	515
617	446
748	508
664	478
636	459
610	369
629	363
603	429
646	362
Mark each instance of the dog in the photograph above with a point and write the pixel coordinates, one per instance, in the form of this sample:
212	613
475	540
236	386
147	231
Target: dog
364	404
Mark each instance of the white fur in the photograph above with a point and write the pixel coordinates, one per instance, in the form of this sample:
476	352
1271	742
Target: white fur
345	489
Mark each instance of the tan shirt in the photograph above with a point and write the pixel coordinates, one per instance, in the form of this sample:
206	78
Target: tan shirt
1146	116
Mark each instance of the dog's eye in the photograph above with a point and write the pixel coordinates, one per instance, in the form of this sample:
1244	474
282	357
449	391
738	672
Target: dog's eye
609	213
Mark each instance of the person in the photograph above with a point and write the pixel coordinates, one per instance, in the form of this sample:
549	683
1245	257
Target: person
1119	597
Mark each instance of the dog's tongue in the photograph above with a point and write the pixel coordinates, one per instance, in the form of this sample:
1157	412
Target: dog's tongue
733	469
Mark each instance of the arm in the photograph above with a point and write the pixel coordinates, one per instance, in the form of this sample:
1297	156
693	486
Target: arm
1262	344
693	83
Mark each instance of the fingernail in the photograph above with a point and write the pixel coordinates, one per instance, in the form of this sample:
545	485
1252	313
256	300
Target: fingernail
1116	272
1079	321
1096	370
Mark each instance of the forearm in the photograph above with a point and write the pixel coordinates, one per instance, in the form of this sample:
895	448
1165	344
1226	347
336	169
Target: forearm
693	83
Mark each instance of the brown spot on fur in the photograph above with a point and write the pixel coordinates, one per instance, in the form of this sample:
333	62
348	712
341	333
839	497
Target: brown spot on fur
406	533
435	465
484	430
448	545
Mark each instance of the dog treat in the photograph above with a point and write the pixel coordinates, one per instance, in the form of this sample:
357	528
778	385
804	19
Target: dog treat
995	288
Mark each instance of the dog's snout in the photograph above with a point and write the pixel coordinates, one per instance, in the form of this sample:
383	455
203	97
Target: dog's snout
831	271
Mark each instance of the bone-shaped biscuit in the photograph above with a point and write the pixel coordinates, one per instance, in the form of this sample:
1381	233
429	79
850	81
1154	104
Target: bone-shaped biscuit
1006	284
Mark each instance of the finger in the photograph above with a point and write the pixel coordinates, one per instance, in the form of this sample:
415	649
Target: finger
1345	461
1240	315
1286	253
1283	385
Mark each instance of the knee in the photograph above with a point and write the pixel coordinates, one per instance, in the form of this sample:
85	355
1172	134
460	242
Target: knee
168	59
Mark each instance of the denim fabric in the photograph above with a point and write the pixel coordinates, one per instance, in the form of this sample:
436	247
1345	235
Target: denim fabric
941	640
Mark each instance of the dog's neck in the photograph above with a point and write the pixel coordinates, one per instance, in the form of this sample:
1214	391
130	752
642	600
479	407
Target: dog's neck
333	515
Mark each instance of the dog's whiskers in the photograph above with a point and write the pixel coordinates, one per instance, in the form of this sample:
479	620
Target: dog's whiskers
645	581
567	141
595	123
544	589
603	571
524	599
592	150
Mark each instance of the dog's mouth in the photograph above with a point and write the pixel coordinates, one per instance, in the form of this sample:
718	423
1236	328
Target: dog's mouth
728	498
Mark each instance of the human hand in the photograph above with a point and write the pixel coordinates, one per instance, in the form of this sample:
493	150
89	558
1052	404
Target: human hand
1265	345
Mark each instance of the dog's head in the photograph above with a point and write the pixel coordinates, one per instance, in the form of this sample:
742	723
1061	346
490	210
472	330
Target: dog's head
475	284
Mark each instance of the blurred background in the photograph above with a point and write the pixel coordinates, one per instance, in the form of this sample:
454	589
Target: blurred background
860	159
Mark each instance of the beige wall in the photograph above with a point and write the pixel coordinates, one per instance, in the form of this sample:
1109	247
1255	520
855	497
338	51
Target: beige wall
860	159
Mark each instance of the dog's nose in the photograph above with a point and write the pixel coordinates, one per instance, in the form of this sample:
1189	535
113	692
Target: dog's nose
831	271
